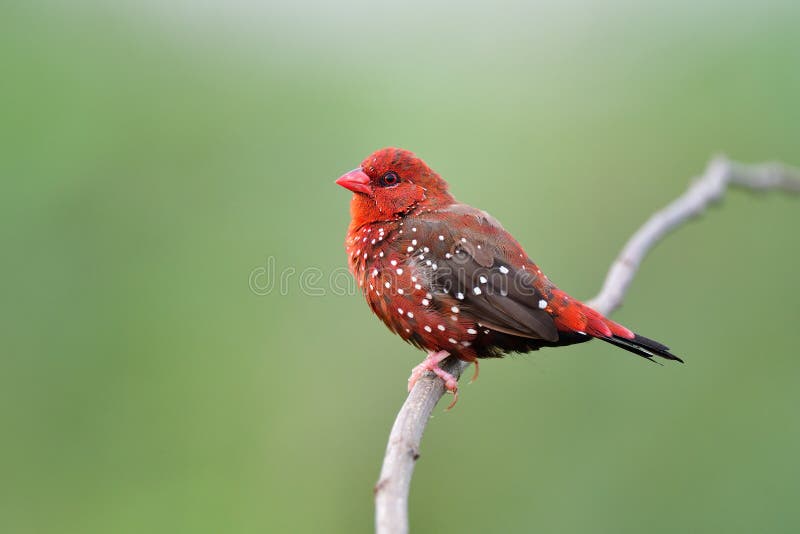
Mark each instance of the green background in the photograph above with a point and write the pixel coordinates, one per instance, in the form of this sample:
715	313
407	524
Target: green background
154	154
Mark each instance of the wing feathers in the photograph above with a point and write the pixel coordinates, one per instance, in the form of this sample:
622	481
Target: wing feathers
476	271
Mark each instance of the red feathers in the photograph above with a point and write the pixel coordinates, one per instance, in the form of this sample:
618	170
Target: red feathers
447	277
382	201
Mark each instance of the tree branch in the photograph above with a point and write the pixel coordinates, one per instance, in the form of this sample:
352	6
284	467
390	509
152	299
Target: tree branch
704	190
402	451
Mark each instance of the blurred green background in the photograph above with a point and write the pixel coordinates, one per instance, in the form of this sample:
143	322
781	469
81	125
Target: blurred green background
153	155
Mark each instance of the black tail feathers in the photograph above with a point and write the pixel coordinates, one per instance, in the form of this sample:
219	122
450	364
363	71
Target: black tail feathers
644	347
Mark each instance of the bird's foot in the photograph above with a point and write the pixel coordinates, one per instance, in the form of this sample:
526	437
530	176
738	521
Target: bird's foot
431	363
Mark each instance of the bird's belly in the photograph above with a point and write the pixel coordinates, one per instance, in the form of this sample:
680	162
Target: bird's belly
397	286
412	314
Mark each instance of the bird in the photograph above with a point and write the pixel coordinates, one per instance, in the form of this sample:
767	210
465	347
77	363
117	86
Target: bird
449	279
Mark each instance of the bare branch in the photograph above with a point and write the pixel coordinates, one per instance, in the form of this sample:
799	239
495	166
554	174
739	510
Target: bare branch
402	451
704	190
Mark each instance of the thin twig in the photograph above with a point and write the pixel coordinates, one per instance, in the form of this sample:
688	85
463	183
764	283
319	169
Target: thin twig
402	451
704	190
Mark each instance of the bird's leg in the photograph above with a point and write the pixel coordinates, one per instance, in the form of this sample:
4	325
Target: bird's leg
431	363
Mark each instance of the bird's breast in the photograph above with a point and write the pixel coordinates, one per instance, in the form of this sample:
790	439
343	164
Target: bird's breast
394	266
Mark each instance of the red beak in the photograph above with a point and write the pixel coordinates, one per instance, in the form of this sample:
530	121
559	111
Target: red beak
356	181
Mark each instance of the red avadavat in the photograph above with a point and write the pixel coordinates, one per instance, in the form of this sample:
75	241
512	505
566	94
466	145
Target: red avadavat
447	277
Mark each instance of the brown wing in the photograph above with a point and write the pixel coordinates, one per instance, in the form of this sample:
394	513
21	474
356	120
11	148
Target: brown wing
470	258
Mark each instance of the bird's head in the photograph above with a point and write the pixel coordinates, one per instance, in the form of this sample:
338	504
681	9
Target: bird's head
390	183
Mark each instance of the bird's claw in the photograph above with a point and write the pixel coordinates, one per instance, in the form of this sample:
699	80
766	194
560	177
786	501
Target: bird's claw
477	370
431	363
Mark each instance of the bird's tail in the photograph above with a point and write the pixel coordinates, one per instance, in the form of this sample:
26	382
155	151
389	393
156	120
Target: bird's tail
585	320
645	347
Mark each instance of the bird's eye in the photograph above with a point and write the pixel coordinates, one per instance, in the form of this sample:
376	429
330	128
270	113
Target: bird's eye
389	179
